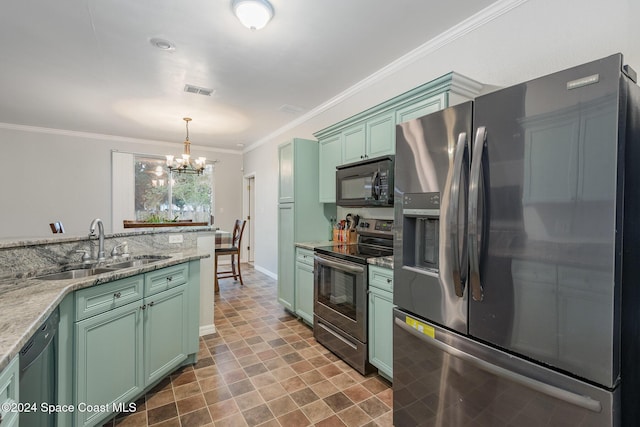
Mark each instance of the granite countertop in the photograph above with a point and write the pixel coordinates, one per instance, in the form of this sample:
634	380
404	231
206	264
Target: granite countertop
11	242
312	245
385	262
25	303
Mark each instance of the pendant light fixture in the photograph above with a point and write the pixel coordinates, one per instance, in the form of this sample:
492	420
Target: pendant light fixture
185	164
253	14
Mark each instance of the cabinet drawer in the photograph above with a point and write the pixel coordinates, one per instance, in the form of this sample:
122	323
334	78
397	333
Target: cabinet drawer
9	392
101	298
304	256
381	278
166	278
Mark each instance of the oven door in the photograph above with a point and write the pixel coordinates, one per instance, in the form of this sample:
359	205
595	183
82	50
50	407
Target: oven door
340	295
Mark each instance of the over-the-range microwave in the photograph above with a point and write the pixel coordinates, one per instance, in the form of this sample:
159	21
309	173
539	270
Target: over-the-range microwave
366	183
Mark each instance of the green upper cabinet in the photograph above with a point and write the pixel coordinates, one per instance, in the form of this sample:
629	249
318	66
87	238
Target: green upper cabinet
285	172
330	157
353	144
381	135
372	133
422	108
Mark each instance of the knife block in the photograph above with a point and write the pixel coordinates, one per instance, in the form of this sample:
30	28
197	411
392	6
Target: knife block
345	236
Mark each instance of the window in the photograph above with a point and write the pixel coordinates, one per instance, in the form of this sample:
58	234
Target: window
160	196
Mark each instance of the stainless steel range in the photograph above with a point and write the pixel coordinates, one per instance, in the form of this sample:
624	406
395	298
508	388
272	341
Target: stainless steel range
340	291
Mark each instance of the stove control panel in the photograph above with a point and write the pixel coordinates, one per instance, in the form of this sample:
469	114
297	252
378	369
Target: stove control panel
378	226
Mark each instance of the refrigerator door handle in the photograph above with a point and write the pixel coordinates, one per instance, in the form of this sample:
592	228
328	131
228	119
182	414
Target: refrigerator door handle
474	201
585	402
459	267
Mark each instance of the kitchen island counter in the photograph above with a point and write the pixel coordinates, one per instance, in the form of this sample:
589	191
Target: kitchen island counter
26	302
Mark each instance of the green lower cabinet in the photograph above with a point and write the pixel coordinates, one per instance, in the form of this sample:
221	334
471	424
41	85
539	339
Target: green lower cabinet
304	285
381	331
286	254
109	364
381	320
165	333
9	393
122	351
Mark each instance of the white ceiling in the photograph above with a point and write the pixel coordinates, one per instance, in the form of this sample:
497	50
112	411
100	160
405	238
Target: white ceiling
89	66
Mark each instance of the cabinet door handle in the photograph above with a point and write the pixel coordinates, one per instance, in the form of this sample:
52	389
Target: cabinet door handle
117	295
151	304
169	278
389	280
143	306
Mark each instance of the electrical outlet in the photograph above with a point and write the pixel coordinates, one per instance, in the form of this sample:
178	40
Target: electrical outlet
175	238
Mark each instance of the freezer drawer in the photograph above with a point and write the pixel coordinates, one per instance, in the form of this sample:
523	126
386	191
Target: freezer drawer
441	378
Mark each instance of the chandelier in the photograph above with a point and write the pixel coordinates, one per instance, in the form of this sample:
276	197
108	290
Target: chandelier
185	164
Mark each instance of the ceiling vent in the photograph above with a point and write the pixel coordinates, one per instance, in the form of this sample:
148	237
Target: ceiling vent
291	109
198	90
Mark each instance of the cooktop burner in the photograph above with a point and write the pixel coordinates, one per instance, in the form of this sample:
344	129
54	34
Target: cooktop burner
375	240
355	252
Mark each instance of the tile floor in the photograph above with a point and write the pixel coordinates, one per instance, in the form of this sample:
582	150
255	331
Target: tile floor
262	368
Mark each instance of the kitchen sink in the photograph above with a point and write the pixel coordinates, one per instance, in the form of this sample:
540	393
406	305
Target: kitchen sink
139	261
133	263
75	274
78	273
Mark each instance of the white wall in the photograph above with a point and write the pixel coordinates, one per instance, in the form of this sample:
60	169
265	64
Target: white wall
64	176
263	161
536	38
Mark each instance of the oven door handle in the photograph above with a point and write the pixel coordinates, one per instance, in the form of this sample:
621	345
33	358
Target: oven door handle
338	265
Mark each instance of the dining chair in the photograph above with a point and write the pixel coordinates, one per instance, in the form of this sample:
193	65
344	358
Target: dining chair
56	227
233	250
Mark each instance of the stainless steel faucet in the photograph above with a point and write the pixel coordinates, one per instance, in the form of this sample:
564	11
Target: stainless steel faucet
92	233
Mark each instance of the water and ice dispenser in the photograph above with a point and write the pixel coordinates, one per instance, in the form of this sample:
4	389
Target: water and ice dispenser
421	225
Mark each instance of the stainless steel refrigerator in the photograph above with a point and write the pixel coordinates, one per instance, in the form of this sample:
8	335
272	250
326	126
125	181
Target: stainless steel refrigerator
516	272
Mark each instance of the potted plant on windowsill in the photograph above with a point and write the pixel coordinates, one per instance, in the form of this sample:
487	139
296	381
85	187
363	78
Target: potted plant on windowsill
156	220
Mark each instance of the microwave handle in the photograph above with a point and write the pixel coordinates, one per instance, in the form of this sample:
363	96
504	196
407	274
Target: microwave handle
375	186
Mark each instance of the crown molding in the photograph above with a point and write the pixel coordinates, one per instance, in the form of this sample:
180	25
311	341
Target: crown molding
110	138
470	24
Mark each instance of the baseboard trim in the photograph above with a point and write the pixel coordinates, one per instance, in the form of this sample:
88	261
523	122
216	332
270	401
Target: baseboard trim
207	330
265	271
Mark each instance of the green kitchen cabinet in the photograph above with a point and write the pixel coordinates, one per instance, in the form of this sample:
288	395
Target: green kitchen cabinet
165	332
330	153
286	255
373	138
304	284
127	335
422	108
372	133
285	173
109	360
9	392
354	144
381	320
301	216
381	135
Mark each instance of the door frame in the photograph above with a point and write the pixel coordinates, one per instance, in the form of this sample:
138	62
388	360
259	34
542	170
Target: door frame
248	213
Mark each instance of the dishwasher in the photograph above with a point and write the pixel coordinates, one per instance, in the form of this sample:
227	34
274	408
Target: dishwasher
38	373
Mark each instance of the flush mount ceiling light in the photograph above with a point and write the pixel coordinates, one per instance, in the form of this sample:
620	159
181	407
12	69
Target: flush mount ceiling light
185	164
253	14
162	44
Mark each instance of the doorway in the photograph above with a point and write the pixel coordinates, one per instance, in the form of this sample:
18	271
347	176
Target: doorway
249	209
